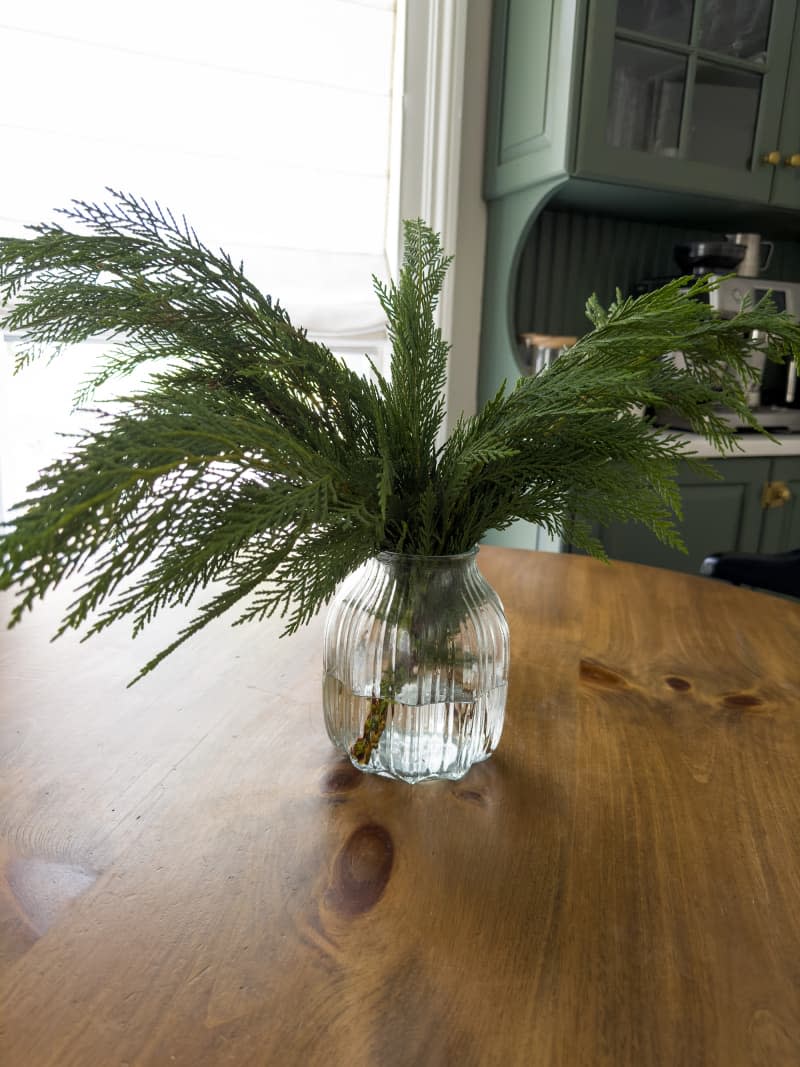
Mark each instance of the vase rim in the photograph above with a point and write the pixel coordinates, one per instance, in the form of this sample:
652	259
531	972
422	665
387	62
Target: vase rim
457	557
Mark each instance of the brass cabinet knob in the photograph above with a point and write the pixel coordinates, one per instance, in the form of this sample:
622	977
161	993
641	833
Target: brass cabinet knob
775	494
793	160
773	158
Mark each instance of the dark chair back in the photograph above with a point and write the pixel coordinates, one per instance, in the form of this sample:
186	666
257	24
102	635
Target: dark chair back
779	573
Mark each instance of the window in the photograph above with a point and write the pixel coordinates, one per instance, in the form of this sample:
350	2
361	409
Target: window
194	108
269	125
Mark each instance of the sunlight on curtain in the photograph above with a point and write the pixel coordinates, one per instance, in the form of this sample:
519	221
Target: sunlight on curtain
267	124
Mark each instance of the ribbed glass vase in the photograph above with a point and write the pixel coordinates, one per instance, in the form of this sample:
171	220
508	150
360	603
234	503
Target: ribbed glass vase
416	666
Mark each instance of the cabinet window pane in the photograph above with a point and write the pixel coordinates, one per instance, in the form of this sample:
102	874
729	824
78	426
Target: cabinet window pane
644	108
670	19
724	114
736	27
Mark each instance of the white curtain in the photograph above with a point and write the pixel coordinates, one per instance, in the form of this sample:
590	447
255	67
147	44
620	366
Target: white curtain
265	122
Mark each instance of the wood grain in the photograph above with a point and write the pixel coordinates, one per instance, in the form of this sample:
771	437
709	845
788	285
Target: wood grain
192	875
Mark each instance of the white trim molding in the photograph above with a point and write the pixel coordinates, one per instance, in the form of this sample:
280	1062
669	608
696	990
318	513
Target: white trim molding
441	140
432	108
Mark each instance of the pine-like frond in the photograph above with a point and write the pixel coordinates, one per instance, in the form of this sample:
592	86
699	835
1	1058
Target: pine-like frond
255	470
414	395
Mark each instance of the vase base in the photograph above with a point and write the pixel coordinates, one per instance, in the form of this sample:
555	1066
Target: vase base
416	779
417	742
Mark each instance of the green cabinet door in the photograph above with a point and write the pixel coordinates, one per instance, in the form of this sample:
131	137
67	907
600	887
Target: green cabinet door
685	96
781	523
786	186
718	516
535	51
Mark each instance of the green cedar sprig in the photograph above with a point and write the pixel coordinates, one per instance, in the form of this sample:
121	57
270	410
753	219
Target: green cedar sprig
256	467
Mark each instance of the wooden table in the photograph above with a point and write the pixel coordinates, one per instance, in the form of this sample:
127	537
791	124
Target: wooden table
193	876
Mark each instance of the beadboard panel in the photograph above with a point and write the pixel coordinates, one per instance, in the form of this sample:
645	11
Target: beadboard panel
571	254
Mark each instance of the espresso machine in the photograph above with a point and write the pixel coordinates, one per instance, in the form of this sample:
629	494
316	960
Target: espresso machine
774	398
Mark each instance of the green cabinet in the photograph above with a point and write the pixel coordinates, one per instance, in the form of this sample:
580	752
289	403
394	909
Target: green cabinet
536	51
661	110
786	183
658	111
721	516
690	96
693	96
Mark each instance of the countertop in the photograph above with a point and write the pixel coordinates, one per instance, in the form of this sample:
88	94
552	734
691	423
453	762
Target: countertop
751	445
193	876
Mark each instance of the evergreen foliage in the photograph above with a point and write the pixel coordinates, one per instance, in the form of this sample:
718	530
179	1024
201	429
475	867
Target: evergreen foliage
255	465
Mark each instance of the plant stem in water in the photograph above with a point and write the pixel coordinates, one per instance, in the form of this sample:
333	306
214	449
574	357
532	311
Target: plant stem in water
374	725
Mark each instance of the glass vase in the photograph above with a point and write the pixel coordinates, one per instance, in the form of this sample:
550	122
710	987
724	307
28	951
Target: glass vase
416	666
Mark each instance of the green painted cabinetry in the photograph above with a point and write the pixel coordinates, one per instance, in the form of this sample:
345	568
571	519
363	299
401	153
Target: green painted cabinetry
537	50
720	516
786	183
658	111
691	97
694	96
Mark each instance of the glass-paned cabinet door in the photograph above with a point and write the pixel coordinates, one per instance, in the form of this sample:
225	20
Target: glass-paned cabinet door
786	186
685	93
